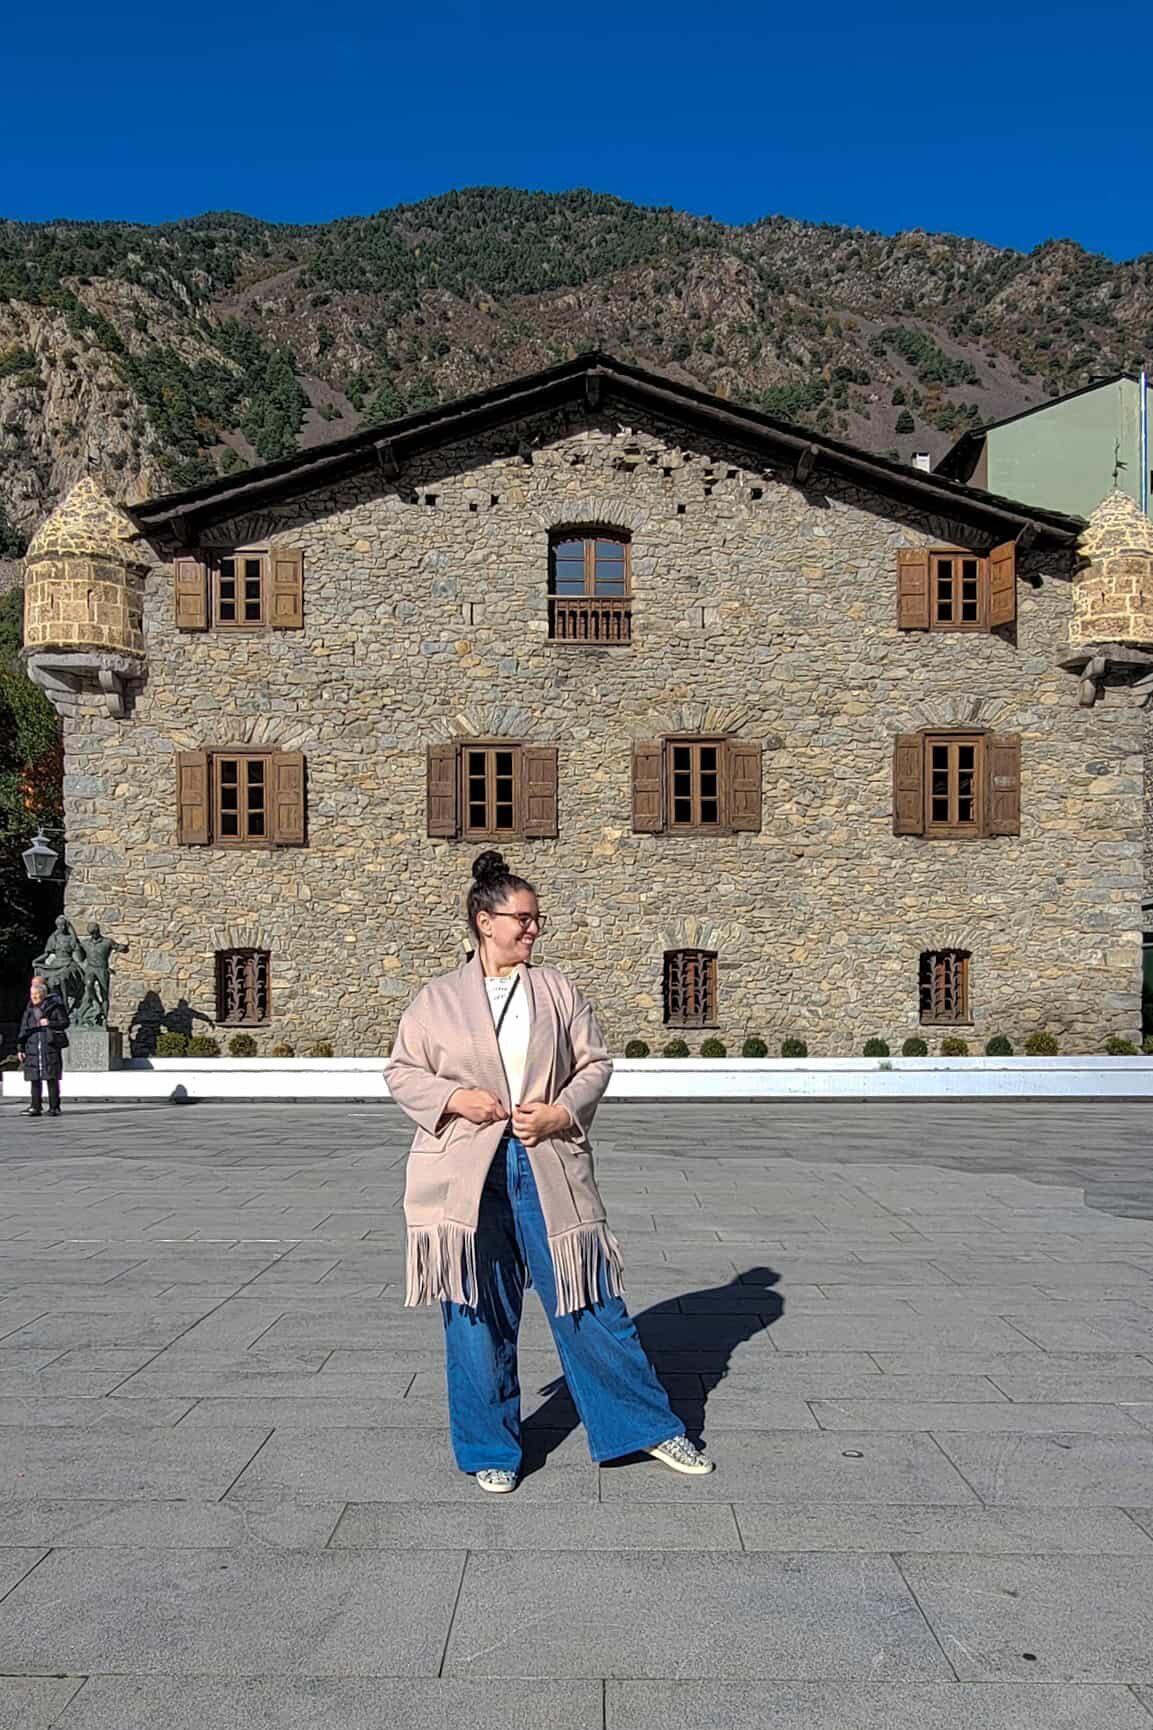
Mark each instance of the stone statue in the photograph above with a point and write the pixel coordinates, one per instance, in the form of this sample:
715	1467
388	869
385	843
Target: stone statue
62	964
96	953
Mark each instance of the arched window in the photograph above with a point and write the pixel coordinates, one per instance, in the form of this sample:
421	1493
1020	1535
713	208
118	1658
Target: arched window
590	586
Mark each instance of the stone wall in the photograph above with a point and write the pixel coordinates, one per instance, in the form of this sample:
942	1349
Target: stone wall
769	607
1113	594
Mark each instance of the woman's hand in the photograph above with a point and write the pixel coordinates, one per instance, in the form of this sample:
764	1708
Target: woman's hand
476	1104
538	1121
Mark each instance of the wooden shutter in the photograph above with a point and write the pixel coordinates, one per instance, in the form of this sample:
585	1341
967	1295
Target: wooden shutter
538	782
190	593
286	588
909	784
288	799
1003	768
193	828
1003	585
648	788
442	806
912	589
743	763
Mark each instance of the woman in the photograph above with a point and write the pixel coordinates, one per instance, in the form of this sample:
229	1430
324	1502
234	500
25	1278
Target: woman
501	1066
40	1041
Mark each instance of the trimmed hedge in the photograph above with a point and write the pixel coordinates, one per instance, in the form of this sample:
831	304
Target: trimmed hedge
676	1048
1115	1046
713	1048
1041	1045
754	1047
321	1049
201	1046
915	1048
242	1045
282	1050
636	1048
876	1048
794	1048
172	1045
999	1046
951	1046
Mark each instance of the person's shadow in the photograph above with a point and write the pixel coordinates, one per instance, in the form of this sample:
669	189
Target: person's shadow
690	1341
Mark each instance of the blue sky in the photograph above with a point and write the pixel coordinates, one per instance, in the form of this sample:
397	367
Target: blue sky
1006	121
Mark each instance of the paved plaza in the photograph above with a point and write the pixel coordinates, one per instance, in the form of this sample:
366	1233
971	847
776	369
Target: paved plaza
918	1339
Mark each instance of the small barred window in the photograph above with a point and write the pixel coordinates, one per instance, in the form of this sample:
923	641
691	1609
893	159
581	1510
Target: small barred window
944	987
242	987
690	988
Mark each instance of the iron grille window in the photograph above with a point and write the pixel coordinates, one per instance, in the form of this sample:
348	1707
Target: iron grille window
944	987
590	589
690	988
238	588
242	987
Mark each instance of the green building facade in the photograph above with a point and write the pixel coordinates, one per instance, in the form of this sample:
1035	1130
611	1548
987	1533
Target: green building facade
1067	455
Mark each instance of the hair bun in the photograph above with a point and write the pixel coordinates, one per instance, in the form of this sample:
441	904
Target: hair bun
489	868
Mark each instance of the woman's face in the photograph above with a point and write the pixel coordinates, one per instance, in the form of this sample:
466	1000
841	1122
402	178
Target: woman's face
506	941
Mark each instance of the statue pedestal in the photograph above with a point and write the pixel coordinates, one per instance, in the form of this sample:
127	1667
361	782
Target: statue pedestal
93	1048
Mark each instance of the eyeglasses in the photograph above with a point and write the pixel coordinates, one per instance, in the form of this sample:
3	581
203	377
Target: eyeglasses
524	920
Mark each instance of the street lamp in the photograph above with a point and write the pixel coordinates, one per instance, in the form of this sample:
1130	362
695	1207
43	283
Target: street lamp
40	859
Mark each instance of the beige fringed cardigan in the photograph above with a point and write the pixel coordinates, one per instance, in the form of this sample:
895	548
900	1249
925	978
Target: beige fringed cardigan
447	1040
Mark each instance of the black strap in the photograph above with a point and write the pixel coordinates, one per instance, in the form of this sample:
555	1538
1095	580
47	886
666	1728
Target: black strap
505	1007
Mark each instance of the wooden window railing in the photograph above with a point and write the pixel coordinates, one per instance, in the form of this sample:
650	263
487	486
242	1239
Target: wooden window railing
590	618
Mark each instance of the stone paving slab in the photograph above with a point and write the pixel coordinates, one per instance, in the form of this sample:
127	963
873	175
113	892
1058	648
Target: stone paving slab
1070	1618
898	1706
35	1702
619	1615
233	1612
218	1418
966	1531
114	1703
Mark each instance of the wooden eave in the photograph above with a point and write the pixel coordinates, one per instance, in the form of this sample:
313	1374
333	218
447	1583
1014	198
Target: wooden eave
595	381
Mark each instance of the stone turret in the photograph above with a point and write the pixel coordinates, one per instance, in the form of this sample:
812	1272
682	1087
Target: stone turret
1113	595
83	594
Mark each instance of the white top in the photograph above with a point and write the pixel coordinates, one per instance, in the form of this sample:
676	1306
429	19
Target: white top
514	1033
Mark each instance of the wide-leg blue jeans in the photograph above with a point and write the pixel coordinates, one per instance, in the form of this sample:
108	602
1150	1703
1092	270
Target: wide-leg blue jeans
614	1388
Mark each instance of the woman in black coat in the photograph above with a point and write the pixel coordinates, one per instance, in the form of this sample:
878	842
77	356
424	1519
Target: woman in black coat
40	1042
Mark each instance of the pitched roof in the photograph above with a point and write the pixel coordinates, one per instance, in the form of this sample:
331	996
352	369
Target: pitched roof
595	380
960	459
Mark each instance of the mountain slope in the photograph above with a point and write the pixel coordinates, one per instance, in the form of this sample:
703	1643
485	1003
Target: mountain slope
159	356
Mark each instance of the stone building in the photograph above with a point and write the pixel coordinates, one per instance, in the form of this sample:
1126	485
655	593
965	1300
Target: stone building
780	729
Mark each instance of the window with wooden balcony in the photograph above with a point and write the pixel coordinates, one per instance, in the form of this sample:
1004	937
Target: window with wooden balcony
944	987
590	588
242	987
690	988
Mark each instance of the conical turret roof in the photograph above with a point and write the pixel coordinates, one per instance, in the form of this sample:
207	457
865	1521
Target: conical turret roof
86	524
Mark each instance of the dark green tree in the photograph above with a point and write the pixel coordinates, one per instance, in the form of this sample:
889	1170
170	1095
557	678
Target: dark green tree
31	772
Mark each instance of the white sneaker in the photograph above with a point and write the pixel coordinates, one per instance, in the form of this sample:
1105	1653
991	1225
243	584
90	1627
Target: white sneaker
496	1482
682	1456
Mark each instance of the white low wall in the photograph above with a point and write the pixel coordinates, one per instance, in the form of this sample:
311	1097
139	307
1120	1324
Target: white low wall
181	1079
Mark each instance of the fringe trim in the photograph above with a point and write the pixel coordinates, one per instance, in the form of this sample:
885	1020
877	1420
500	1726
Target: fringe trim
577	1259
441	1265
